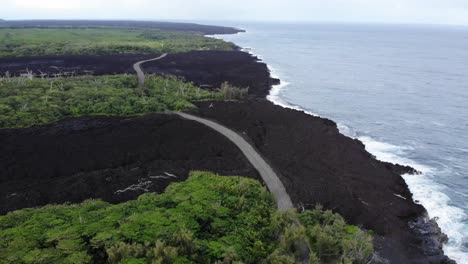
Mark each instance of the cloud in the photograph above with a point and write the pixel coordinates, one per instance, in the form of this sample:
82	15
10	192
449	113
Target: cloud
400	11
77	5
50	4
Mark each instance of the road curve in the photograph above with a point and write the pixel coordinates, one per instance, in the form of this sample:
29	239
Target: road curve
274	184
271	179
139	71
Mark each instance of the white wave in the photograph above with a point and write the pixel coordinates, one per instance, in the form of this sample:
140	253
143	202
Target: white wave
275	93
426	191
392	153
249	51
449	218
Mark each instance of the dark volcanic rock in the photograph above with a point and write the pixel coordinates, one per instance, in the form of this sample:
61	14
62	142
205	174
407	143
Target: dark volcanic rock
401	169
94	157
209	70
76	64
318	165
432	236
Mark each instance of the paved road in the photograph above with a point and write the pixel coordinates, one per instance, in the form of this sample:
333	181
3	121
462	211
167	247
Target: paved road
139	71
274	184
271	179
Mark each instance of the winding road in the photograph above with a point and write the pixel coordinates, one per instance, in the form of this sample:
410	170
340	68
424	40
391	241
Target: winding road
139	70
271	179
274	184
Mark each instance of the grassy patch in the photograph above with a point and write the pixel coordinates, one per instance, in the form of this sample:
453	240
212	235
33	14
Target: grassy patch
207	219
25	102
101	41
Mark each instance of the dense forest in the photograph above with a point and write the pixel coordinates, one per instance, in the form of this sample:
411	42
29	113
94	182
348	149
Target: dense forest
206	219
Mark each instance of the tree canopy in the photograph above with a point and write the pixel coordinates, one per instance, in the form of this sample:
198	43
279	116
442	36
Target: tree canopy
206	219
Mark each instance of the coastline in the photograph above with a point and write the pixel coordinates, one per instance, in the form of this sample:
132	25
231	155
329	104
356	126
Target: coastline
404	167
417	186
425	224
317	163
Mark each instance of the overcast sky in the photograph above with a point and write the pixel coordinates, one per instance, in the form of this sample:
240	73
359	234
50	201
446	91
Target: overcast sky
386	11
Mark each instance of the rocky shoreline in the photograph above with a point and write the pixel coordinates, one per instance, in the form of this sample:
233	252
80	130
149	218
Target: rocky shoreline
96	157
318	165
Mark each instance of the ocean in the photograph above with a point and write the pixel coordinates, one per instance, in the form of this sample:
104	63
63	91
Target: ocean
401	89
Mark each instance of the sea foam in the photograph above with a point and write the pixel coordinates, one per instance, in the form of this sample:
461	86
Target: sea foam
425	191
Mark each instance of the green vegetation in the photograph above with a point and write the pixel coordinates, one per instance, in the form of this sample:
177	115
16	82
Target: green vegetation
26	102
207	219
335	241
231	92
101	41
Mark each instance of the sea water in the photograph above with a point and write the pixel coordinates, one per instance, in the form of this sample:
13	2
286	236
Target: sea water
401	89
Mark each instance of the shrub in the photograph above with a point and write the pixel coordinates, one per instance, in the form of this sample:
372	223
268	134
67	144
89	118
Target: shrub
232	92
332	239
